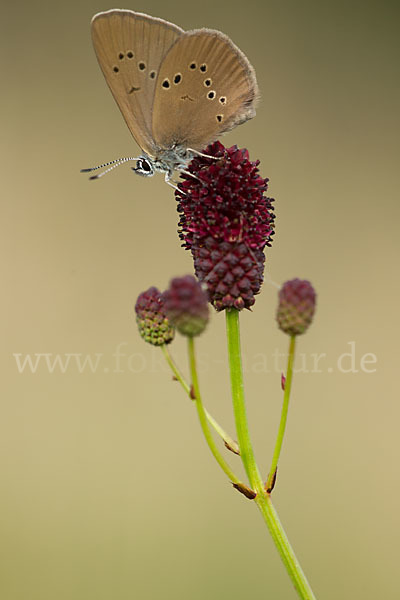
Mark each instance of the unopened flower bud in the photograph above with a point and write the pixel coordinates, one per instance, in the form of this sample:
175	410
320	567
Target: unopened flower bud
296	307
186	305
153	323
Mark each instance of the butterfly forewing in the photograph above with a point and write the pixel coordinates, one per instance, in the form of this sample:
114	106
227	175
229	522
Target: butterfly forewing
130	48
205	87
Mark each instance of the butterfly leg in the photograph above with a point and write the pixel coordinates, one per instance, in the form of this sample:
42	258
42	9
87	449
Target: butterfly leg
189	174
170	182
202	154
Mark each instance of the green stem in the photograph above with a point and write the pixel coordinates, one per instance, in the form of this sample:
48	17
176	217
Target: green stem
263	500
284	548
227	439
202	414
239	408
175	369
285	406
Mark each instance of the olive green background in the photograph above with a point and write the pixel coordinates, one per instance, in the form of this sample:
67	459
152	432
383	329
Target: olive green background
108	490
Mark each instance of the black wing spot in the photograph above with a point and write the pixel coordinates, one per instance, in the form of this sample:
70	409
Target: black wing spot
207	82
222	99
120	55
142	66
203	68
129	54
152	74
177	78
116	70
166	83
192	66
211	95
219	118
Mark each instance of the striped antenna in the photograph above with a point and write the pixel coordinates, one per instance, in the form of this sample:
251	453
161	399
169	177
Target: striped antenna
114	163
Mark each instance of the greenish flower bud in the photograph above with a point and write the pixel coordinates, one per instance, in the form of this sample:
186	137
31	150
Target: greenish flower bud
153	323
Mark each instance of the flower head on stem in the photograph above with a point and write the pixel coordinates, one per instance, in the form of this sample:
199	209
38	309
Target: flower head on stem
296	306
151	318
226	221
186	305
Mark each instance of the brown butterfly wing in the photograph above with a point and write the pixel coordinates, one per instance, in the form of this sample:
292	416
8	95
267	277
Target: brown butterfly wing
130	47
205	86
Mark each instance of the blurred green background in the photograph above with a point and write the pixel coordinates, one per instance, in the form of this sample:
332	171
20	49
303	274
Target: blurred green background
107	487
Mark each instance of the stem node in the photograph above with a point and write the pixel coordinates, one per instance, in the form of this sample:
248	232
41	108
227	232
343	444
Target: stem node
245	490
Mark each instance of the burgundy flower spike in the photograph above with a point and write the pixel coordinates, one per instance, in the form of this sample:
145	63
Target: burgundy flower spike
226	221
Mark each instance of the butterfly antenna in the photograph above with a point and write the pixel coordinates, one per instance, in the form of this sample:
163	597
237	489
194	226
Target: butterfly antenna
114	163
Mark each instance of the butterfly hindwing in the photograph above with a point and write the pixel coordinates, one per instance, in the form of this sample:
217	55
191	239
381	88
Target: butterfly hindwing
205	87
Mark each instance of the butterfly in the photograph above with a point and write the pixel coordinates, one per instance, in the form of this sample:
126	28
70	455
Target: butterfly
177	90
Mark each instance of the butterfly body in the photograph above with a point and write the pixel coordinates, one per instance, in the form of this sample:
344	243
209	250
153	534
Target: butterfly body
177	90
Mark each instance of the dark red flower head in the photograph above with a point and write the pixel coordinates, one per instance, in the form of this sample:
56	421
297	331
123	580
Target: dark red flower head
226	221
296	307
186	305
152	321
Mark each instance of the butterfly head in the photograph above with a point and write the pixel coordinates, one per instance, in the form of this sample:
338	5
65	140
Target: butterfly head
144	167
